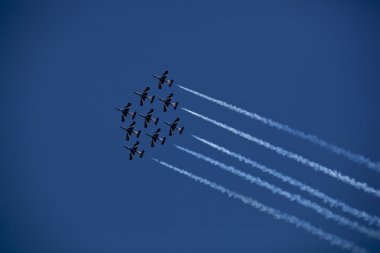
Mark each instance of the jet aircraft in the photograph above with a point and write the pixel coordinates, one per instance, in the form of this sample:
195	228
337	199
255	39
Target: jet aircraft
144	95
163	79
173	126
156	137
130	130
133	150
148	117
168	101
125	111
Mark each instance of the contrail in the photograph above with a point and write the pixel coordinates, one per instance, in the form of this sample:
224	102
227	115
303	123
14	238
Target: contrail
333	239
371	219
357	158
316	166
326	213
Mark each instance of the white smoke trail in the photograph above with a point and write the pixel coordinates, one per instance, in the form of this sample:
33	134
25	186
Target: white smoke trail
357	158
316	166
371	219
326	213
333	239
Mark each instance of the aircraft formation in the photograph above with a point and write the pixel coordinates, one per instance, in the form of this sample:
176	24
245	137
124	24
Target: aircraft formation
149	117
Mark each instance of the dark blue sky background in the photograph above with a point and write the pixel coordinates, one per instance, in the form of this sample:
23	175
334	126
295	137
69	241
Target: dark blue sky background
66	184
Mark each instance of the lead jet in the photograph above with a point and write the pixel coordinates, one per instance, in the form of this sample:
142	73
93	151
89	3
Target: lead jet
173	126
133	150
156	137
163	79
144	95
168	102
130	131
125	111
148	117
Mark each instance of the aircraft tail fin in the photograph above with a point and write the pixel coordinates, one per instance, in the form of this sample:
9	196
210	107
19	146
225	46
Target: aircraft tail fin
181	130
170	82
163	141
156	121
133	115
142	153
138	133
175	105
152	99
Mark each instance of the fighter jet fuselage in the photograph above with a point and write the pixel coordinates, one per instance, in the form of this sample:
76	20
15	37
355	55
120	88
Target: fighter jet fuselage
163	79
133	150
149	117
168	101
125	111
173	126
156	137
144	95
130	130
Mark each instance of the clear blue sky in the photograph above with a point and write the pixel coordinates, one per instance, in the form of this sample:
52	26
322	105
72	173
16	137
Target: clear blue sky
66	184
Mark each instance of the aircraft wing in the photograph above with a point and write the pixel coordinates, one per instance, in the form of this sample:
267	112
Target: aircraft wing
170	131
128	106
136	145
